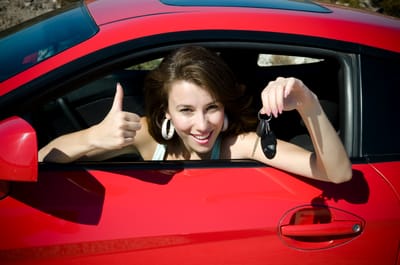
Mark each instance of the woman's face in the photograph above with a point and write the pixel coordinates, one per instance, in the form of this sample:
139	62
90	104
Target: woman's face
198	118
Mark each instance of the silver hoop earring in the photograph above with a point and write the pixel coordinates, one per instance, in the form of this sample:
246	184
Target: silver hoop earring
225	124
167	135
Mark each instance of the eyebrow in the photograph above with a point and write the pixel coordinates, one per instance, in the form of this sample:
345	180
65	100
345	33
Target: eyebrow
183	106
215	102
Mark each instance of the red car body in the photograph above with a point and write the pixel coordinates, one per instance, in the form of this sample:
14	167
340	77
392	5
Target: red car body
195	212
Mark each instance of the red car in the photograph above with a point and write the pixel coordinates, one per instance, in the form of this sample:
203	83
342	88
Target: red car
58	74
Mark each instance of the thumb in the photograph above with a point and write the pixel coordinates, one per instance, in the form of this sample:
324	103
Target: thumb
118	99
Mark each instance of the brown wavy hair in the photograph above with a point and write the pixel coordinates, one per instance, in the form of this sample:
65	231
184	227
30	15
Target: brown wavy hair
206	69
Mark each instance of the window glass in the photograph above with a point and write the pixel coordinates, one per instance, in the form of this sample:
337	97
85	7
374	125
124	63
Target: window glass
149	65
274	59
381	127
32	44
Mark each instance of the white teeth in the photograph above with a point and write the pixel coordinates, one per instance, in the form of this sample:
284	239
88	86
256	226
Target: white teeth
202	137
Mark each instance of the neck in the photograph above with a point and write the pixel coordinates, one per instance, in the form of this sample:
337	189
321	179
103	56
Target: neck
180	152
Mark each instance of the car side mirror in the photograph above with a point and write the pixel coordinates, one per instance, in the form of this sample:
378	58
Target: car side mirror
18	150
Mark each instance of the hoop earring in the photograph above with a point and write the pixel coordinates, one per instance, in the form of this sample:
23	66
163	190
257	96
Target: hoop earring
225	124
167	135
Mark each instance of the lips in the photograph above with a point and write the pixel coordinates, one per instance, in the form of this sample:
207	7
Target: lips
202	139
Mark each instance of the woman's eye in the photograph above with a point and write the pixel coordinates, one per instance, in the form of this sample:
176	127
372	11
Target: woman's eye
185	110
213	107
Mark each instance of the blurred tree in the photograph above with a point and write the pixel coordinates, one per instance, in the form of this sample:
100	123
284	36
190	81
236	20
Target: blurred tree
13	12
389	7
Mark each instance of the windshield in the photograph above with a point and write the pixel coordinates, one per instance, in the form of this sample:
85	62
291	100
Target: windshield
46	36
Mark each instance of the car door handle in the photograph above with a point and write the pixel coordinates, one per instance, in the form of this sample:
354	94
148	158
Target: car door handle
333	229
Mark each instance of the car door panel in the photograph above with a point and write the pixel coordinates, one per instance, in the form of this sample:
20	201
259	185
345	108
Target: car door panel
190	215
390	172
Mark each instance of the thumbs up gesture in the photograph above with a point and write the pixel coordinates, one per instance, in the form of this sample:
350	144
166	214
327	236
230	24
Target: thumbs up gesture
118	128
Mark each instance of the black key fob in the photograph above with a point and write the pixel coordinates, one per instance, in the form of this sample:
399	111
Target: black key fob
268	144
267	136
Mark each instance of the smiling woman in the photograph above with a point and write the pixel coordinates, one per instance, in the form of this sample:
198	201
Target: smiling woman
98	197
194	93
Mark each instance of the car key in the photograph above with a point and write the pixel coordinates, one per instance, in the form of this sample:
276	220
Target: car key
267	136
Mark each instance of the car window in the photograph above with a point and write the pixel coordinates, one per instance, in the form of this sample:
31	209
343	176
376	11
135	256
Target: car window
148	65
382	129
265	60
90	103
45	39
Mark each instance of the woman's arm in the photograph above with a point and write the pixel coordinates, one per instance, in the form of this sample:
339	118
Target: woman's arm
329	161
116	132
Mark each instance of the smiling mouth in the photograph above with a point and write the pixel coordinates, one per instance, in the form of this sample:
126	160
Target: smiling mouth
202	139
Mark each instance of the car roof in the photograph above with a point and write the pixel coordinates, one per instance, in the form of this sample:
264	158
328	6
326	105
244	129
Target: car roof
293	17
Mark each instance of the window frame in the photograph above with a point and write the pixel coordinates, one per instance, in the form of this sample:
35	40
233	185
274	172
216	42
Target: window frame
346	91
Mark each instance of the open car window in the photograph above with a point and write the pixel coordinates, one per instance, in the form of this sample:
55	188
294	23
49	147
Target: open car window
88	104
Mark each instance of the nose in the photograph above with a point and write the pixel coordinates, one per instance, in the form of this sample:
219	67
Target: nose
201	122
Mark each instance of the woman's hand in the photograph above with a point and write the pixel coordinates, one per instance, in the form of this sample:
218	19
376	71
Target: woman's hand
284	94
329	162
118	128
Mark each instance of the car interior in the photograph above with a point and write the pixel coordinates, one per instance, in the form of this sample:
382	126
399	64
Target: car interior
88	104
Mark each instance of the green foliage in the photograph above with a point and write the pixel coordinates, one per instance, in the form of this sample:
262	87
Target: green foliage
351	3
390	7
387	7
16	11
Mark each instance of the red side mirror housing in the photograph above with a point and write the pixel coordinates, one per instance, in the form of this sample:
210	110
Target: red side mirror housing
18	150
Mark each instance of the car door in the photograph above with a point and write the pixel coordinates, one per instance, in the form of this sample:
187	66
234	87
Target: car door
196	213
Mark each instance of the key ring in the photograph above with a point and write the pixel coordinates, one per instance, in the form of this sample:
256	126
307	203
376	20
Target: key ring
263	125
262	118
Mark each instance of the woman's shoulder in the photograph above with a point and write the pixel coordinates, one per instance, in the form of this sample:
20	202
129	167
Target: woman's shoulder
238	146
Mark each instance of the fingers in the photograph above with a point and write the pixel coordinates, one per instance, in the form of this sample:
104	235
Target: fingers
130	122
118	99
127	121
124	128
118	128
273	97
280	95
